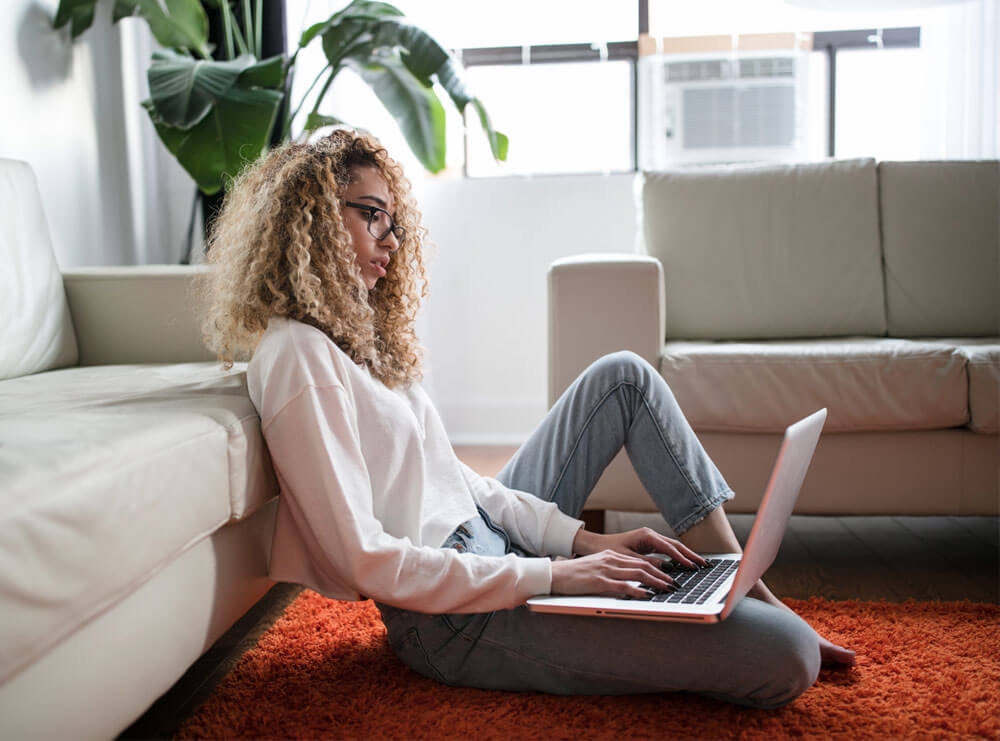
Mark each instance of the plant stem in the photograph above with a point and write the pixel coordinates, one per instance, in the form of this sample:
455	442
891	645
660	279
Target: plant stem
227	25
241	45
232	31
259	28
326	86
248	29
287	133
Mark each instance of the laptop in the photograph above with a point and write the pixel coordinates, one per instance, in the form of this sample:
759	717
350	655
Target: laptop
709	594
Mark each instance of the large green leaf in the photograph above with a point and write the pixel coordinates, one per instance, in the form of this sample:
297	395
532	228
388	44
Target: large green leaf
422	55
124	9
427	59
367	10
499	143
318	121
176	24
79	14
400	62
450	77
349	39
235	129
413	104
183	89
268	72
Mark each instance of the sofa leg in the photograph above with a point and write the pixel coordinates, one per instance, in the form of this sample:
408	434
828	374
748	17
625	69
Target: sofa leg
593	520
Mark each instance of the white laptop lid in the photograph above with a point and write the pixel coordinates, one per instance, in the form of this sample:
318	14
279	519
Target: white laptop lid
776	508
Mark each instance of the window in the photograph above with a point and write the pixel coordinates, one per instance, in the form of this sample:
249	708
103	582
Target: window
570	117
879	97
603	86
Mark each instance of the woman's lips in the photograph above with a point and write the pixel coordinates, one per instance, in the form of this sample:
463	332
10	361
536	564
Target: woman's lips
378	268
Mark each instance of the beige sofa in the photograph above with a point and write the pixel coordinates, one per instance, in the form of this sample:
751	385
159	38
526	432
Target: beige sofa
136	495
766	293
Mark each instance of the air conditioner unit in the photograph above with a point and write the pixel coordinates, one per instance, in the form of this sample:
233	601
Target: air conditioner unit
716	108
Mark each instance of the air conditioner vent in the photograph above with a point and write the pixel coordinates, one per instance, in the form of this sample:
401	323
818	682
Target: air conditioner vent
708	69
719	118
767	67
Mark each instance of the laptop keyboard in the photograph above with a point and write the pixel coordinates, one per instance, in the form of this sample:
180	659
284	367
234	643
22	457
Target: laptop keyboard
694	587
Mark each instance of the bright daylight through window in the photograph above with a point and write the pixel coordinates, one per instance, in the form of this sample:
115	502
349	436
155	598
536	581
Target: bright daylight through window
591	87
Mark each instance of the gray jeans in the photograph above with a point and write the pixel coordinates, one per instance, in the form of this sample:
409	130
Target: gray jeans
760	656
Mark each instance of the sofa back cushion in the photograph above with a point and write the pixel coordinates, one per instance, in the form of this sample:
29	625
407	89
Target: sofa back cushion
942	247
768	251
37	332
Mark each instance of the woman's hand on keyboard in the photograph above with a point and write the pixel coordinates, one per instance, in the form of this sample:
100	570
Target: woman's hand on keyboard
639	543
608	572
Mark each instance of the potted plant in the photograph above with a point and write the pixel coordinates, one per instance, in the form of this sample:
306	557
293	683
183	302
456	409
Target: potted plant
216	114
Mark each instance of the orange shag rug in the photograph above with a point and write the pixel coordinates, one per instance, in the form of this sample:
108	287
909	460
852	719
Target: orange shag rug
325	670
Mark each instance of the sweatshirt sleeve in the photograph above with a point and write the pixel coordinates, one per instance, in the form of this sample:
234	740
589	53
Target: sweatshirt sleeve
315	448
530	521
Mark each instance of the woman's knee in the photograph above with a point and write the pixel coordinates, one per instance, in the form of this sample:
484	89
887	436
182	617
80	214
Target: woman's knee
623	365
793	663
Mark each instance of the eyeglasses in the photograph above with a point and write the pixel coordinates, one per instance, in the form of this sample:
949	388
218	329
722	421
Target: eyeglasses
380	222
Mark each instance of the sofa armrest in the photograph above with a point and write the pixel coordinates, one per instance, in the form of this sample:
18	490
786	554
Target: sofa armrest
599	304
135	314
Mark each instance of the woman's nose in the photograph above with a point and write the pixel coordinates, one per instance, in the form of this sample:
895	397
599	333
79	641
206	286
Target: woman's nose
389	242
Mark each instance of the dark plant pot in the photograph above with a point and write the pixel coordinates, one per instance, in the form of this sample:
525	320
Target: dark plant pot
210	207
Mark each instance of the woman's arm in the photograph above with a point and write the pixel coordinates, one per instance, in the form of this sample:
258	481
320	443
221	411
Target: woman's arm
534	524
316	451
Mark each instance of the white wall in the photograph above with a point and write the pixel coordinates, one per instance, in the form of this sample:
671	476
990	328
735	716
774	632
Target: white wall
71	112
485	326
59	118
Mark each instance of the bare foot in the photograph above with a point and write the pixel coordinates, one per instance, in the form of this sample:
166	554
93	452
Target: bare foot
833	655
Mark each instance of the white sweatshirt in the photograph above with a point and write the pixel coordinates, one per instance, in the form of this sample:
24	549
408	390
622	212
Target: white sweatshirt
371	488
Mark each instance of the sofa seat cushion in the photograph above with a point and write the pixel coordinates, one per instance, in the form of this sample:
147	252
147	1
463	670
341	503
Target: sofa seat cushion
982	355
108	473
984	384
867	384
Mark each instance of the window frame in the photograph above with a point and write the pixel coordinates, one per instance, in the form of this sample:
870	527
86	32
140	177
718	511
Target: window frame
829	42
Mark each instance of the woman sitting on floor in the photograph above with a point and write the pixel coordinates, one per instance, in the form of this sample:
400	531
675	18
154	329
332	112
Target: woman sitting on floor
318	273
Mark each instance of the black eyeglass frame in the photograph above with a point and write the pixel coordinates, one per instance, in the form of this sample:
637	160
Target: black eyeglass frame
397	231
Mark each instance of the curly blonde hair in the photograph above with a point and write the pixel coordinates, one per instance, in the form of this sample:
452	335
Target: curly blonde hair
280	248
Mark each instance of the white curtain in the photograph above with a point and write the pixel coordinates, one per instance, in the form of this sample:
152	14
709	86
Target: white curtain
962	76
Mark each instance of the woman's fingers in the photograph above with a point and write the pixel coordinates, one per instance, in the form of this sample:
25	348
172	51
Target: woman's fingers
616	588
680	552
637	568
648	578
648	541
609	572
688	559
684	555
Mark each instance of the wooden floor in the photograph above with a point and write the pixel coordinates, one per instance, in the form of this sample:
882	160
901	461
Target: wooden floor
842	558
